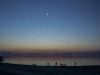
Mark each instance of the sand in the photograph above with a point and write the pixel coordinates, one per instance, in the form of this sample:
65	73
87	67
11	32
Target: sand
19	69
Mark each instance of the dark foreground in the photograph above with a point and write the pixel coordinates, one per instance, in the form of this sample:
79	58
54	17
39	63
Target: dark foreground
15	69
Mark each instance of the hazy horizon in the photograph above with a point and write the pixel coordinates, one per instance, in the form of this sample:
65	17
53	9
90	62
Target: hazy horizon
54	53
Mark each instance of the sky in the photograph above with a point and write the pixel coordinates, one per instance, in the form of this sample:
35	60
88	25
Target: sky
70	25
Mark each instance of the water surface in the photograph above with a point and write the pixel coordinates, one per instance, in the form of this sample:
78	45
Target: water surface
52	60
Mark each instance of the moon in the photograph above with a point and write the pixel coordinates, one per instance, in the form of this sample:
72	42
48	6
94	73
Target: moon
47	14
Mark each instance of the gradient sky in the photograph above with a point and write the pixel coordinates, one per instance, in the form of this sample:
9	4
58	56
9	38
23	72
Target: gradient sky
71	25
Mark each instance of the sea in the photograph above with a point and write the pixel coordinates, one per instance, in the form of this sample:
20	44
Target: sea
53	61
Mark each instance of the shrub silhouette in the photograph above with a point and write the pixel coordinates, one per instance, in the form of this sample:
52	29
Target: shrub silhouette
1	59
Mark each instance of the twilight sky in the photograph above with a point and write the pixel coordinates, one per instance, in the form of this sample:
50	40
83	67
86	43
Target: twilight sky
71	25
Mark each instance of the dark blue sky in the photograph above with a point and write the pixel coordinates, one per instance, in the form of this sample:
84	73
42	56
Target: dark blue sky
69	25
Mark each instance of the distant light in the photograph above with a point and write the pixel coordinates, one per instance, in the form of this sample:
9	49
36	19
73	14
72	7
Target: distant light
47	14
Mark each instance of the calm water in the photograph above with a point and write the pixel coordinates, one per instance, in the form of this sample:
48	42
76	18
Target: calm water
52	60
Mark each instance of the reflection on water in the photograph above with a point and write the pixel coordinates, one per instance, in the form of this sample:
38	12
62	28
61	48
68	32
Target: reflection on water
52	60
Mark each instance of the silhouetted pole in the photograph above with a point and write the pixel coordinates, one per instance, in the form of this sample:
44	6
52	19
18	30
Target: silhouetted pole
60	64
47	64
56	63
75	63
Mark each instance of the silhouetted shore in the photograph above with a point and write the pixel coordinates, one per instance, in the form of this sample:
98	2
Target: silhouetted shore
20	69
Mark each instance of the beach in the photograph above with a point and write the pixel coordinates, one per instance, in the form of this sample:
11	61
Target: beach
20	69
